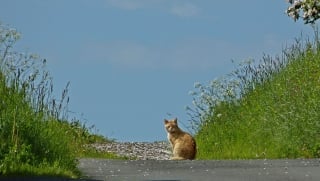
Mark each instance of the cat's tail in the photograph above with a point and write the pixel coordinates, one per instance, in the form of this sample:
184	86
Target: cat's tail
178	158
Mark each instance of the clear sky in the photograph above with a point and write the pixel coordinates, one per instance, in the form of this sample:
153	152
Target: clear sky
131	63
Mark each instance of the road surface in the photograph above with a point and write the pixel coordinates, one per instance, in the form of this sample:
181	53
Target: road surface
199	170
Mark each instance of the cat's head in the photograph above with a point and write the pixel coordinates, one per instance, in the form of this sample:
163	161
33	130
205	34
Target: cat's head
171	125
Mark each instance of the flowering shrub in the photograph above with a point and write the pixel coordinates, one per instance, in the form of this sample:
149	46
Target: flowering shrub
310	10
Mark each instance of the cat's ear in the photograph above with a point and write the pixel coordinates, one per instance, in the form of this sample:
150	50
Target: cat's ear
175	120
165	121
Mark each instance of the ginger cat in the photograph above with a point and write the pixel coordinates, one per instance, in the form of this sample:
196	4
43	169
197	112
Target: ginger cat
183	144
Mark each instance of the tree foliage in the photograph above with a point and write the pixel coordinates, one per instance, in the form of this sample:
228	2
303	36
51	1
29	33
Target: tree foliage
308	10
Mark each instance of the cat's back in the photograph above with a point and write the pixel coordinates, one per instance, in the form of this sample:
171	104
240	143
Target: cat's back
188	144
184	146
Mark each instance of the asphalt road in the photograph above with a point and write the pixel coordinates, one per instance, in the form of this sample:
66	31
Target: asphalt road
226	170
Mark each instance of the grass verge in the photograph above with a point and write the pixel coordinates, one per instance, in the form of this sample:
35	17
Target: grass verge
268	109
36	136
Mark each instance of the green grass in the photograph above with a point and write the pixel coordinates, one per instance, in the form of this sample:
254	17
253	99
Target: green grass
264	110
36	136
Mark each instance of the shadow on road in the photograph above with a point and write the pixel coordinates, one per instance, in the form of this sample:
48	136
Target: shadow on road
20	178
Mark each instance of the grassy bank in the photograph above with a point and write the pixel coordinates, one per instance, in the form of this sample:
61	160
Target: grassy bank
36	135
268	109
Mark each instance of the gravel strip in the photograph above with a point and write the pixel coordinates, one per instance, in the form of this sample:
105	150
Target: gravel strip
137	150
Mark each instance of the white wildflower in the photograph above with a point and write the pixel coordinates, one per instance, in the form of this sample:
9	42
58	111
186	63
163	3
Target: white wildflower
197	85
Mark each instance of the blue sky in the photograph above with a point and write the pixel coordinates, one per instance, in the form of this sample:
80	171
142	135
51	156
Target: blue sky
131	63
